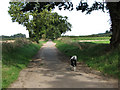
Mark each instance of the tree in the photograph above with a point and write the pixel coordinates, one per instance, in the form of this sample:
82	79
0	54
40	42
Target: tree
114	11
19	35
107	31
113	7
42	23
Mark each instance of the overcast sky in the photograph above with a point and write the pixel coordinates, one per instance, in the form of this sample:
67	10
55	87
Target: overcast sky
96	22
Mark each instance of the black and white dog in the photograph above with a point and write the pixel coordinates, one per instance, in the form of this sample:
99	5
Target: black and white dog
73	60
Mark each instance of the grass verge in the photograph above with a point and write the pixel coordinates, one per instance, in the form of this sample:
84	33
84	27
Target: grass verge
97	56
15	59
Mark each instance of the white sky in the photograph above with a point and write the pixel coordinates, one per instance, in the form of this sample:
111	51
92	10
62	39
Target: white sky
96	22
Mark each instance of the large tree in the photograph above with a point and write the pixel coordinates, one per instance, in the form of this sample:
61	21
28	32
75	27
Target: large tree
113	7
114	11
39	23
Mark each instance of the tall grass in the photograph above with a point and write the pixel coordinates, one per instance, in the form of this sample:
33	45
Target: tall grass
97	56
15	57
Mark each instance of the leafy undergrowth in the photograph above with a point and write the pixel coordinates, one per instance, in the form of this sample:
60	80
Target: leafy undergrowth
97	56
15	57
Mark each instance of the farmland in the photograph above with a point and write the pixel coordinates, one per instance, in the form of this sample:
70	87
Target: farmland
90	38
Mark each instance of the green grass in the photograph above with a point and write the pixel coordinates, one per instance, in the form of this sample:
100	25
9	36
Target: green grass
91	38
77	39
15	59
97	56
102	42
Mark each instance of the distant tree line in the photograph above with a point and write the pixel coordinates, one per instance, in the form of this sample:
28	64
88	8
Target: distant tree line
106	34
19	35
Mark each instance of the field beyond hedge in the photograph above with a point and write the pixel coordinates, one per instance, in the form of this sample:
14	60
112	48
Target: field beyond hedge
90	38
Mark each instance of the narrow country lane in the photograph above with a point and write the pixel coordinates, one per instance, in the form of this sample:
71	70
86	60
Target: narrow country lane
48	70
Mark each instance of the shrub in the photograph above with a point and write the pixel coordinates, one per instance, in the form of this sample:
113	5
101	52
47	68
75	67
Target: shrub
7	47
19	42
66	40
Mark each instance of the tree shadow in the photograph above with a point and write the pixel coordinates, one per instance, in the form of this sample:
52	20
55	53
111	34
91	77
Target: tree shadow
61	76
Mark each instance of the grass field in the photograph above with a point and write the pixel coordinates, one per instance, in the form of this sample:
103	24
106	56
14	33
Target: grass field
90	38
15	57
95	54
104	42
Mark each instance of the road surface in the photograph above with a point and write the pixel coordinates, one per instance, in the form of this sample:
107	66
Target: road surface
49	69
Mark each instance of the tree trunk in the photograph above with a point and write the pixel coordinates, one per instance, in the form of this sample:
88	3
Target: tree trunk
114	10
30	34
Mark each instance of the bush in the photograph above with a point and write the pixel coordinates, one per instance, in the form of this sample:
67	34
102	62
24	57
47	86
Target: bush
66	40
20	42
14	61
16	56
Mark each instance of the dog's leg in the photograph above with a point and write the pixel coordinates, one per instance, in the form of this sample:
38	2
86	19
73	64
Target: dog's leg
74	68
71	67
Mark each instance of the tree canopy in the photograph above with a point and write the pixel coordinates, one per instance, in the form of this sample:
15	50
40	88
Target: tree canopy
113	7
40	24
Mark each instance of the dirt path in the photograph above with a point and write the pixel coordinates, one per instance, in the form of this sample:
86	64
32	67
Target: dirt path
48	69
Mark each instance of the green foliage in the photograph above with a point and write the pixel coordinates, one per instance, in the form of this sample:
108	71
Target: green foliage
12	37
84	6
19	35
107	31
15	59
97	56
20	42
45	23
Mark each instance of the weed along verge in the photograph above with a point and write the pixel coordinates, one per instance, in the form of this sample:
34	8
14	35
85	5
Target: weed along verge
96	56
15	57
